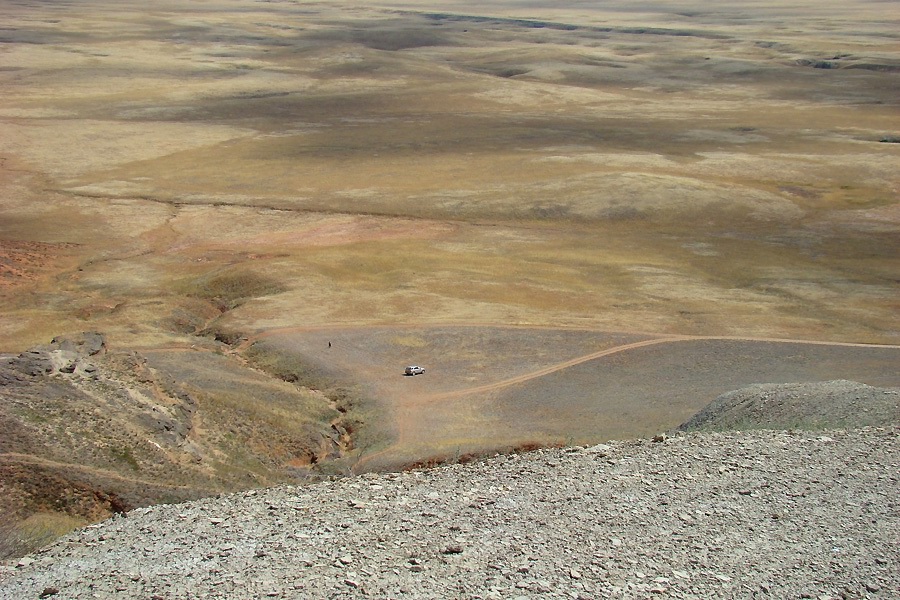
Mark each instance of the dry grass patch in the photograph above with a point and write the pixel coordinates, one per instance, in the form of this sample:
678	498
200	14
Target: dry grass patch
21	537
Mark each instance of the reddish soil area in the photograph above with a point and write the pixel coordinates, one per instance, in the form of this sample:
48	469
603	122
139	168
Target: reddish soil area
23	262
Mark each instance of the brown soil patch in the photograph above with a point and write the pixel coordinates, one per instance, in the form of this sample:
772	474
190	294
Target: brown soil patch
23	262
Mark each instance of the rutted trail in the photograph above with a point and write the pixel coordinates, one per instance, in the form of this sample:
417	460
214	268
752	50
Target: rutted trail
552	369
470	363
611	402
626	347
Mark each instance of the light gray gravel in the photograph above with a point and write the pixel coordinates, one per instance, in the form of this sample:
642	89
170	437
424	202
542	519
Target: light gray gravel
732	515
808	405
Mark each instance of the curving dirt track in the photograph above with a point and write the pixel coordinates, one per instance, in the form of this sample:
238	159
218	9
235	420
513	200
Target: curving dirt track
488	388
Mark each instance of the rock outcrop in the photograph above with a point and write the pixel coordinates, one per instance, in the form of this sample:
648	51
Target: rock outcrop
68	355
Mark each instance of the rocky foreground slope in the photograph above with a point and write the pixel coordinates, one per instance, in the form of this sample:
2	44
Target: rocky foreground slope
701	515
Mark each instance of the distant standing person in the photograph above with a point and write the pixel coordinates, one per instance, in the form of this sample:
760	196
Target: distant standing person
329	344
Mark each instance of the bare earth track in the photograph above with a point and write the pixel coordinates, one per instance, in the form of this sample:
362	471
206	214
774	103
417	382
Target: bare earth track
514	390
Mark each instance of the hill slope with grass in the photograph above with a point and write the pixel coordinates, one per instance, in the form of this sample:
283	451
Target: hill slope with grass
87	431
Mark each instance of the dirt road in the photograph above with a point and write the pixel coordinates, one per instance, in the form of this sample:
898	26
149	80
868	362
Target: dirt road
491	387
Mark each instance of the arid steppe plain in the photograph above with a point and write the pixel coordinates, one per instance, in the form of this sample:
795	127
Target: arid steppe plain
585	219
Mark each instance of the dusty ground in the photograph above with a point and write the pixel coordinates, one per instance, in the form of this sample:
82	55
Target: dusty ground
506	387
193	178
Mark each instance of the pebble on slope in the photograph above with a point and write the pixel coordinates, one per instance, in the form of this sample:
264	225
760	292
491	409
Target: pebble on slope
729	515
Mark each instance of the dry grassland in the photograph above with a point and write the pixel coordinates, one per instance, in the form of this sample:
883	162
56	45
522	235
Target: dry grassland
235	167
679	170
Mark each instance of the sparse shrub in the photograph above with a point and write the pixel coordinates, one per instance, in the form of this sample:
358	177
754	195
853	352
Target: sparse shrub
21	537
290	368
467	457
225	336
427	463
511	72
184	321
125	455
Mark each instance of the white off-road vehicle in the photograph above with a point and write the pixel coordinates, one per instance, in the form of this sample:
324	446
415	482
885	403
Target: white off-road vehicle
414	370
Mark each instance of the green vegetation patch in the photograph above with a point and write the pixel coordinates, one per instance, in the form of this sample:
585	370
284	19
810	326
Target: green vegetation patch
125	455
230	289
